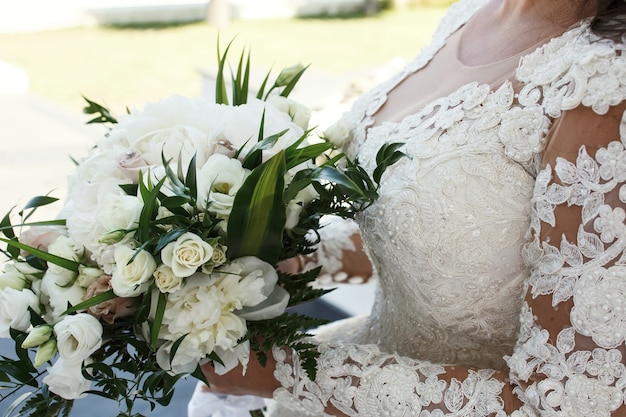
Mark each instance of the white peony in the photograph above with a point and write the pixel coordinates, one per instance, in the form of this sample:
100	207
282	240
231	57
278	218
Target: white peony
188	253
67	380
57	294
130	279
197	311
78	336
218	182
173	142
14	314
166	280
12	278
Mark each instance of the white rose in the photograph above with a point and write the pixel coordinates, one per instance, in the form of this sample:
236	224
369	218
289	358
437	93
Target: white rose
299	114
12	278
186	254
166	280
87	275
65	247
78	336
119	212
131	279
293	214
219	179
57	295
14	313
67	380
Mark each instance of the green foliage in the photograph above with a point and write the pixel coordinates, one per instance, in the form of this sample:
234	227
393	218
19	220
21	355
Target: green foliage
103	114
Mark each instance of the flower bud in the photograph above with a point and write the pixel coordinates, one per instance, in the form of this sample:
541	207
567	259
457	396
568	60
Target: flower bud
37	336
288	74
112	237
45	352
12	278
87	275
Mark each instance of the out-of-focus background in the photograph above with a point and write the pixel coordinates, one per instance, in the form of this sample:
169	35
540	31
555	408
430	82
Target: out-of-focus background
123	53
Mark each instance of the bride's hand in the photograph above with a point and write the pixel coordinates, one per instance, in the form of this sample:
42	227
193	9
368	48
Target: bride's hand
258	380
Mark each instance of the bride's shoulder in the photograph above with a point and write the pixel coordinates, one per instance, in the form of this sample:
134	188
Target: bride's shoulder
572	69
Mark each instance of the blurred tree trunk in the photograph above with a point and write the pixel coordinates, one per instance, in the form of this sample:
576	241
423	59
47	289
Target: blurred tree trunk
371	7
218	13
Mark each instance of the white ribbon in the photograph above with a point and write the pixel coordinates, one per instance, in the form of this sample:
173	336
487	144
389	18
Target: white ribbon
207	404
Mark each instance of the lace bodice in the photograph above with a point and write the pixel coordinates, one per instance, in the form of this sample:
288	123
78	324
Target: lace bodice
512	200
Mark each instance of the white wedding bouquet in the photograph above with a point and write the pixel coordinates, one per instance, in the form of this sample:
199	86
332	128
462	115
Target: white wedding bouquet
164	255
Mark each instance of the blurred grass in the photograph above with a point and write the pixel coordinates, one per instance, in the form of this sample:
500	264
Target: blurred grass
126	66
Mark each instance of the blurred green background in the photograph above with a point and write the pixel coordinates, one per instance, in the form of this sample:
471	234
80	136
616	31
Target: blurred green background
123	66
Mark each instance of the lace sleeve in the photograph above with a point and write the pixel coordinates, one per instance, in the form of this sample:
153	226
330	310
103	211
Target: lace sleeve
569	358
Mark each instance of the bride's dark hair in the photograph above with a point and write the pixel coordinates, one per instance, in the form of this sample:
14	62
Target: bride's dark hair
610	19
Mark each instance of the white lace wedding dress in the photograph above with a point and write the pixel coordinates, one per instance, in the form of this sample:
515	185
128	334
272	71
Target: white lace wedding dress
512	201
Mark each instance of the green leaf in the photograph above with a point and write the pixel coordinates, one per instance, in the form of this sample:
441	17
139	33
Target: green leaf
158	319
48	257
169	237
221	96
38	201
387	155
129	189
262	87
15	404
175	347
104	116
199	375
258	215
93	301
58	222
6	227
190	179
150	205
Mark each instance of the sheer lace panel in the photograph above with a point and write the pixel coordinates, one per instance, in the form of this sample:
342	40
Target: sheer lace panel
492	171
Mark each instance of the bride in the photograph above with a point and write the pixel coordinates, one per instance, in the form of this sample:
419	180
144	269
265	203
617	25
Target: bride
499	244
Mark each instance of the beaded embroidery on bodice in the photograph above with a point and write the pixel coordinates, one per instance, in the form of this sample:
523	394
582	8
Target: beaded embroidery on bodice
447	271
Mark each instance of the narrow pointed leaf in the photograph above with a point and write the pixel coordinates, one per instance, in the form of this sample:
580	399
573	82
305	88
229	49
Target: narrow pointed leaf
258	216
48	257
289	88
93	301
158	319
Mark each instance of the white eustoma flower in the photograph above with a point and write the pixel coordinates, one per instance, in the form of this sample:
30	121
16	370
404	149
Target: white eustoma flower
65	247
78	336
57	294
130	279
14	313
188	253
67	380
218	180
